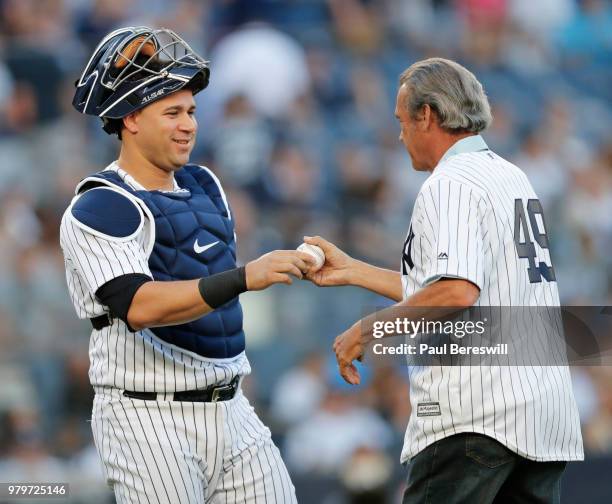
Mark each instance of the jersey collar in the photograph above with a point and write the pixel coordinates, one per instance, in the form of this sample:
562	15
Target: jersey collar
472	143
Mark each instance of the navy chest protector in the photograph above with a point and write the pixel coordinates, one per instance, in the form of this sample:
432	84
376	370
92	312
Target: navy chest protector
194	237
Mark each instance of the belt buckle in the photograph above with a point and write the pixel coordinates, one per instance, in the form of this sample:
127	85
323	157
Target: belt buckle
218	390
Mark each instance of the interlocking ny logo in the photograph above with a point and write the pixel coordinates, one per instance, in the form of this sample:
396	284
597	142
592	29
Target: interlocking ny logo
407	261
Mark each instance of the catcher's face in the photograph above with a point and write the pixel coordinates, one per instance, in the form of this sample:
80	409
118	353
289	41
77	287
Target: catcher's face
165	130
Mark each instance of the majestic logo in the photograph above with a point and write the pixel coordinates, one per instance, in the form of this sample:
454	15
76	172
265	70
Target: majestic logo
153	95
443	256
199	249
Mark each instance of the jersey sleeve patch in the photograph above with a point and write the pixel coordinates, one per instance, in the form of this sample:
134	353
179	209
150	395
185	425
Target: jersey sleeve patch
107	212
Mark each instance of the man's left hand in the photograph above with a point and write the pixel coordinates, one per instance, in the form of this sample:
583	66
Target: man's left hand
348	348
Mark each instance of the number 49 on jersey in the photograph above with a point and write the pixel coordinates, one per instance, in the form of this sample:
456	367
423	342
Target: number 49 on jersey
526	248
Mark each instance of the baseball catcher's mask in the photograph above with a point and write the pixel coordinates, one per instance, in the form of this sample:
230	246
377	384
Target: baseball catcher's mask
135	66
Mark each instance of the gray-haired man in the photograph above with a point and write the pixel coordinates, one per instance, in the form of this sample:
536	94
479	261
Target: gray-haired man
476	433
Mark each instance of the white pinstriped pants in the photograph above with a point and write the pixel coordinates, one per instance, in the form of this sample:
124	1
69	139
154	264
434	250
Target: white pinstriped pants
184	452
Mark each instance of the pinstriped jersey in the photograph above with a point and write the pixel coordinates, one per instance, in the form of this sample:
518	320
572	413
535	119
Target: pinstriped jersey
119	358
464	226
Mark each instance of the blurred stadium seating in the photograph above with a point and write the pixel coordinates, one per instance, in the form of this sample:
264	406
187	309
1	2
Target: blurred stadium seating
298	123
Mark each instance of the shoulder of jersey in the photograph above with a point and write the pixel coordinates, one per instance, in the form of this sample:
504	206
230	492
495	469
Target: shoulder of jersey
108	213
456	175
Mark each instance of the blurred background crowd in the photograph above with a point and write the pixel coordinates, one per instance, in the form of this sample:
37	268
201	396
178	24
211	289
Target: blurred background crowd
298	124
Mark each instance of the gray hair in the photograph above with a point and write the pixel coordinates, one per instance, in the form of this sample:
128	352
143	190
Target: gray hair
451	90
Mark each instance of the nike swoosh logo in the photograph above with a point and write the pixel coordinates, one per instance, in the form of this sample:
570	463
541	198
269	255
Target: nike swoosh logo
198	249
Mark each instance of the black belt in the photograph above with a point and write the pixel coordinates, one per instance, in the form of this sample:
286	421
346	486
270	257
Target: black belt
211	394
101	321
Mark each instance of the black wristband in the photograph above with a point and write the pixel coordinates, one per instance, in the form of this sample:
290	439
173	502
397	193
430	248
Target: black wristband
220	288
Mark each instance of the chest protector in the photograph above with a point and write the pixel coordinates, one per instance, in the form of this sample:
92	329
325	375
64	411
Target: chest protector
194	237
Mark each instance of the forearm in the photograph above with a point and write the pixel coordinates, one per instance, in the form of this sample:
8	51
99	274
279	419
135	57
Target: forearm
444	292
166	303
427	303
382	281
177	302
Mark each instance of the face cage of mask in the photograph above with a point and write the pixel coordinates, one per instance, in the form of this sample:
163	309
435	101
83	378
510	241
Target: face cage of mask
170	49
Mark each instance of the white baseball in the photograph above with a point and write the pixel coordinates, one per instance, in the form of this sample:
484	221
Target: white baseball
315	252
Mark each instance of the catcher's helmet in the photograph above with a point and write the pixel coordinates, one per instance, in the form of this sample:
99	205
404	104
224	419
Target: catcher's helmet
133	67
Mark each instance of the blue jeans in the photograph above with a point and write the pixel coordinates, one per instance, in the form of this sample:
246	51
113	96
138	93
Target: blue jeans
472	468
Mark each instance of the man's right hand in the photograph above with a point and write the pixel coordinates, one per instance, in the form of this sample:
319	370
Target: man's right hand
338	265
276	267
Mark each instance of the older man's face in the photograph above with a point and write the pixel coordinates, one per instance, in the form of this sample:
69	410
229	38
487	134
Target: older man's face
410	133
